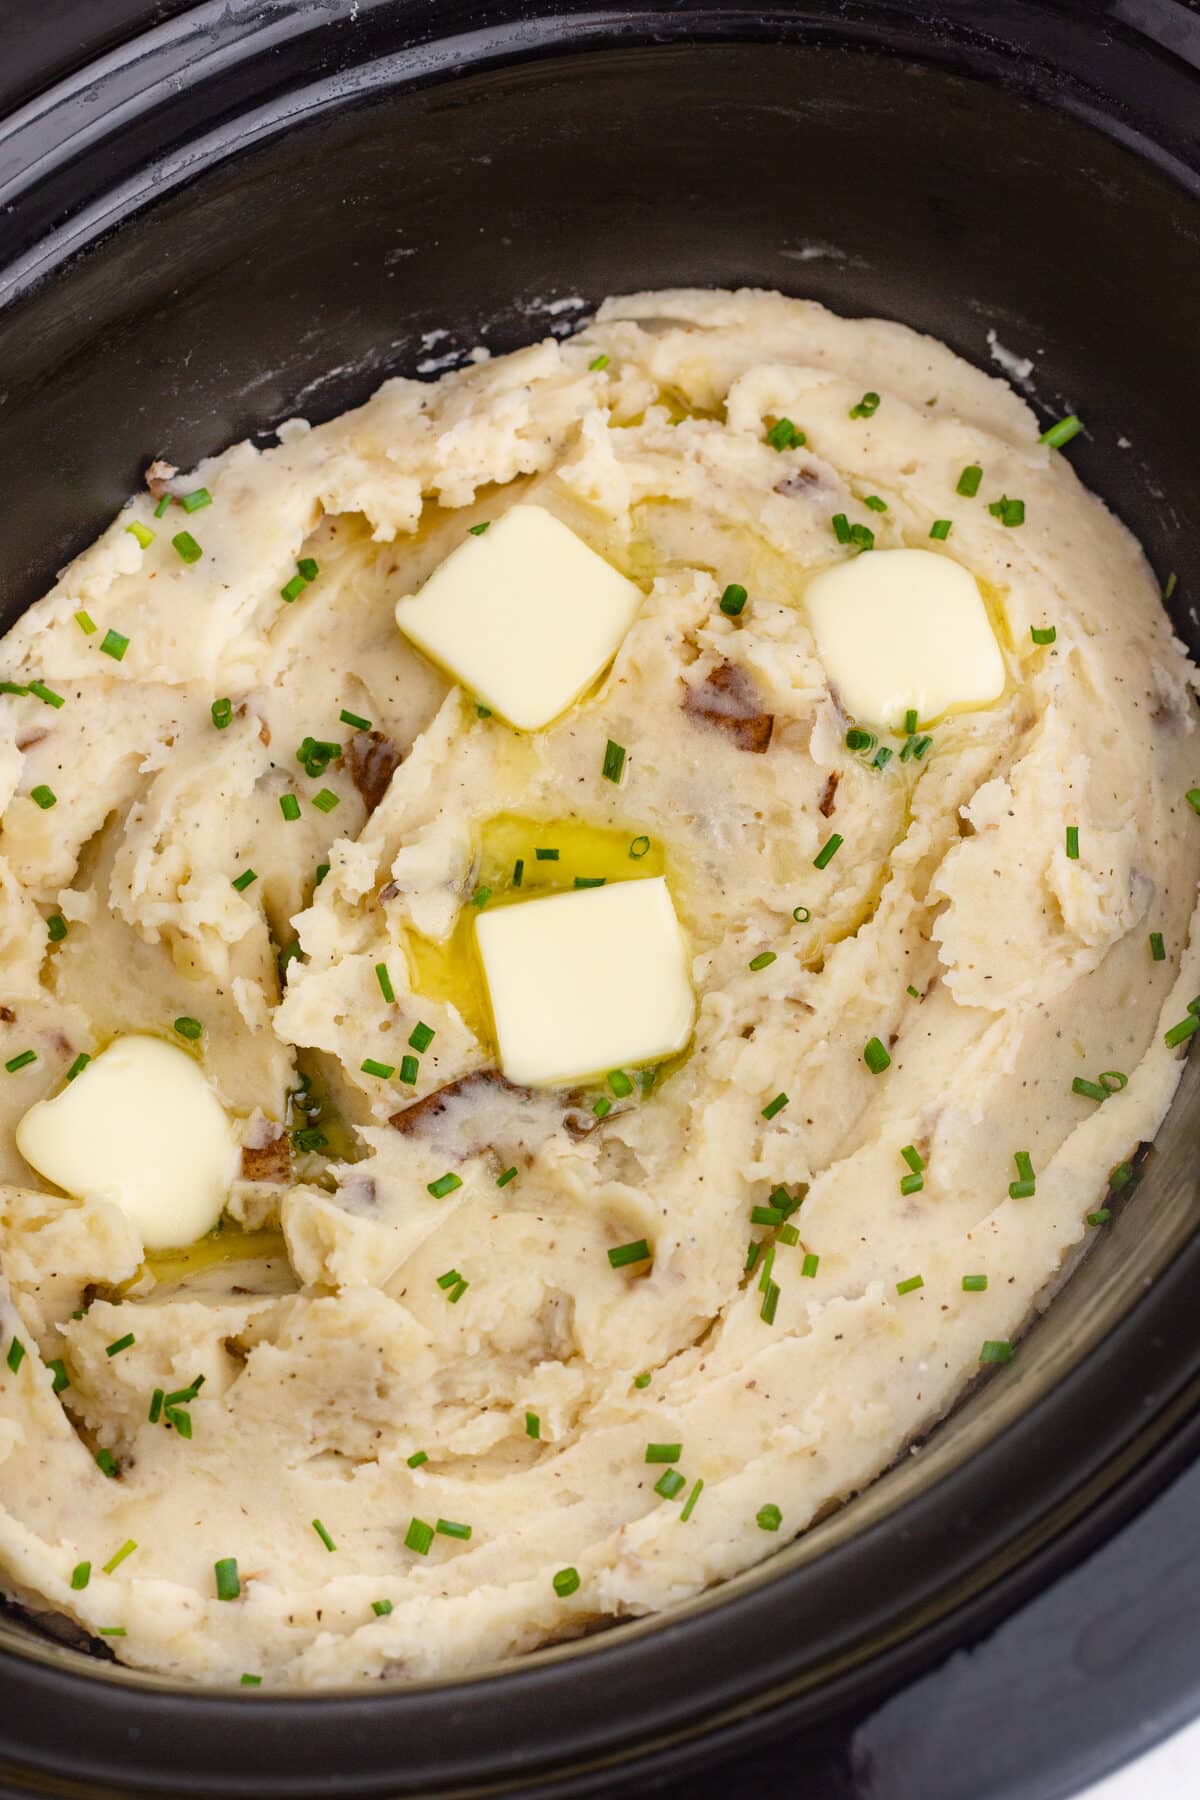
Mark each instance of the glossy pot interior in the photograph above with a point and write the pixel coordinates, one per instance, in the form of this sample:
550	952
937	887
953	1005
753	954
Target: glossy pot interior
254	217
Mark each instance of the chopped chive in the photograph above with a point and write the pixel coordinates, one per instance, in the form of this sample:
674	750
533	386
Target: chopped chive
1192	796
774	1106
349	718
156	1406
566	1582
46	694
307	567
410	1069
509	1174
12	687
599	362
1043	634
911	1184
418	1537
911	1285
518	874
187	546
43	796
164	501
882	757
81	1574
245	880
862	536
451	1528
620	1083
1158	950
250	1680
639	847
841	528
417	1458
445	1184
189	1028
614	761
107	1464
969	480
810	1265
482	711
420	1037
875	503
663	1453
1178	1034
533	1425
1091	1090
323	1535
624	1254
450	1279
875	1056
828	851
293	587
910	720
733	600
769	1303
480	897
222	713
910	989
546	855
175	1415
768	1518
913	1158
996	1350
866	407
187	1393
1024	1164
689	1505
326	800
788	1235
763	960
974	1284
1073	842
1113	1080
308	1138
383	1071
56	928
16	1355
801	915
858	739
1062	432
289	806
1009	512
381	1608
229	1584
941	529
85	622
119	1344
670	1483
79	1065
20	1062
1120	1177
765	1215
784	436
590	881
643	1380
111	1630
478	530
602	1108
196	500
764	1278
58	1369
1021	1190
1100	1218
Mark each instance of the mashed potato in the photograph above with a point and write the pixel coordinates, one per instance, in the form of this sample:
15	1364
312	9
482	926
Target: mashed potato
382	1423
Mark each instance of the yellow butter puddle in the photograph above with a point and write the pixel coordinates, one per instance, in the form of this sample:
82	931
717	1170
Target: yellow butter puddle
228	1243
451	970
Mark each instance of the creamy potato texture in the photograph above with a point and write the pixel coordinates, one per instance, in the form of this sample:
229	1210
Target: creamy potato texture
446	1381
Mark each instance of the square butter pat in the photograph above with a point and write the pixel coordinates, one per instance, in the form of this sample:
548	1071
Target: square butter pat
901	630
588	981
526	616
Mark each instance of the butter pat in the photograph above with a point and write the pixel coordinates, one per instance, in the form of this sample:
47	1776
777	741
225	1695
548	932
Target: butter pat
139	1126
901	631
526	616
585	982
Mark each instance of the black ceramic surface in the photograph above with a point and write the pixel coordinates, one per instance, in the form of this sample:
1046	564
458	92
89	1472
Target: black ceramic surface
259	209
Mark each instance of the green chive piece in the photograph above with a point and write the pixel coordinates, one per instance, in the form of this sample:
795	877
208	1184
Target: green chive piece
882	757
107	1464
420	1038
768	1518
911	1285
187	546
111	1630
969	480
419	1537
669	1484
229	1584
119	1344
1062	432
1024	1164
663	1453
481	896
789	1235
196	500
381	1608
1178	1034
323	1535
841	528
1192	796
250	1680
763	960
1158	949
156	1406
1021	1190
784	436
639	848
1171	584
16	1355
602	1108
913	1158
911	1184
382	1071
620	1083
144	536
866	407
733	600
644	1379
1100	1218
1043	634
164	501
910	720
81	1574
20	1062
941	529
1073	842
910	989
974	1284
309	1138
417	1458
410	1069
566	1583
590	881
996	1350
222	713
245	880
189	1028
858	739
862	537
43	796
46	694
769	1303
801	915
875	503
875	1056
1091	1090
58	1369
828	851
478	530
289	806
293	588
764	1279
689	1505
774	1106
445	1184
765	1215
13	687
86	623
810	1265
326	800
56	928
451	1528
307	567
1120	1177
625	1254
518	874
546	855
533	1425
508	1175
79	1065
349	718
599	362
1009	512
614	761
